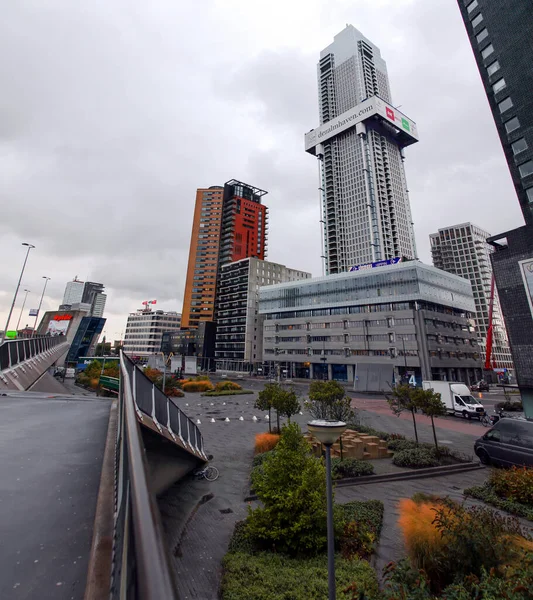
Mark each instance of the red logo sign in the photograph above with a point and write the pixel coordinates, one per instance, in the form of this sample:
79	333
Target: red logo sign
62	317
390	113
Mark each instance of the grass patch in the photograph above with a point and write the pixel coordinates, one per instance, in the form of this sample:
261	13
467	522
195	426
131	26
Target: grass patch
487	494
227	392
269	576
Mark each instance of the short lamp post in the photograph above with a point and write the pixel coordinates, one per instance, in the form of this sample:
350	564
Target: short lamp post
328	432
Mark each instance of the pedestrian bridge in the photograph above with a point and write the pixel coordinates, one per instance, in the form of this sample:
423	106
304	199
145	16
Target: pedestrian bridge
78	486
24	361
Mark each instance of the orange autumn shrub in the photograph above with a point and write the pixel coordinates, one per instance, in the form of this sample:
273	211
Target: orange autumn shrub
423	541
265	442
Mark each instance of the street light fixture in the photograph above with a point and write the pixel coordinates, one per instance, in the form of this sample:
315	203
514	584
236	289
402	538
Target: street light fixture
30	246
22	309
328	432
40	304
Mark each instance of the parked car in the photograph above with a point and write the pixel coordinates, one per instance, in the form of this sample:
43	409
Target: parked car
480	386
509	442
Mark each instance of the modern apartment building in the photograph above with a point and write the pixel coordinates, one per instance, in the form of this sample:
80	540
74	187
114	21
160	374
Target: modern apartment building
145	328
73	292
229	224
239	338
86	296
373	327
365	208
500	34
200	285
463	250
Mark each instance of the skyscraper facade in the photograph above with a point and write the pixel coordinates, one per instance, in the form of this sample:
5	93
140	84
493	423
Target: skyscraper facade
366	213
200	285
463	250
229	224
500	33
73	292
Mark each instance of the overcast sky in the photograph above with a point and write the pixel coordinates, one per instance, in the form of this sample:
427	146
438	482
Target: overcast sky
113	112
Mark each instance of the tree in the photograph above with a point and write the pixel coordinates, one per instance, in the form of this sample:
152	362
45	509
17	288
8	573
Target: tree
430	403
265	400
291	486
403	397
341	410
288	403
322	395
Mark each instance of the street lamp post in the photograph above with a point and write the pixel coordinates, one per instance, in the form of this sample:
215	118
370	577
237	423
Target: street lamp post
47	279
328	432
22	309
30	246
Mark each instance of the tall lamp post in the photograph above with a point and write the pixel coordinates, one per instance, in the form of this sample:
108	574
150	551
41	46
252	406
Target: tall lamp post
328	432
22	309
40	304
30	246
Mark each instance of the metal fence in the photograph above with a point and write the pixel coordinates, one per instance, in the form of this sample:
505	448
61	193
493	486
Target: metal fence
13	352
140	565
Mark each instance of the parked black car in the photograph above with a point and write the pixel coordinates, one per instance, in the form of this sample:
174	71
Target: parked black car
480	386
509	442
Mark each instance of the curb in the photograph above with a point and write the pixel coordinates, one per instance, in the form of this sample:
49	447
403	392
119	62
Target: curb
402	475
99	569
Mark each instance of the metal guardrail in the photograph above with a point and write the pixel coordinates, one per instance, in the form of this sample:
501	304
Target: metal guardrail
13	352
140	567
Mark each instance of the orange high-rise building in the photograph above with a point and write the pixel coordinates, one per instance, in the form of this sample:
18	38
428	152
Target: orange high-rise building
229	224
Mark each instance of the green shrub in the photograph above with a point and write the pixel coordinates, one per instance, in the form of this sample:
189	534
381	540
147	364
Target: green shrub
227	385
260	458
350	467
510	406
227	392
361	527
514	484
416	458
398	445
291	485
271	576
366	511
487	494
241	540
382	435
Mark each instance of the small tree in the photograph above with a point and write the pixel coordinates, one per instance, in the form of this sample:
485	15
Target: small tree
265	400
291	486
403	397
430	404
288	403
322	396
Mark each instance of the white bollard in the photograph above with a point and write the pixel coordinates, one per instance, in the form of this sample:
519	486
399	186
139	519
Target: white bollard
198	422
226	419
241	418
254	418
301	412
266	417
212	420
186	404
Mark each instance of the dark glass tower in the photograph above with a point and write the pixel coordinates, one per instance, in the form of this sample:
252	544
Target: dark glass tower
501	35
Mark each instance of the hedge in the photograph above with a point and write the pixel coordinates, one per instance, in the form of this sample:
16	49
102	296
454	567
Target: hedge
270	576
227	392
416	458
487	494
350	467
365	511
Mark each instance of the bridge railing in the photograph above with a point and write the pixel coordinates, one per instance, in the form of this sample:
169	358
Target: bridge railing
140	564
13	352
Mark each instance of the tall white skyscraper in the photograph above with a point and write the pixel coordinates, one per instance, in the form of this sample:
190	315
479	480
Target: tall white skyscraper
73	292
366	214
462	249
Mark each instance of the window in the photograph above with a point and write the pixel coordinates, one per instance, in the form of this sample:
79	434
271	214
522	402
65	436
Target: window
471	6
505	105
499	85
529	193
526	169
519	146
493	67
477	20
482	35
493	435
512	124
488	51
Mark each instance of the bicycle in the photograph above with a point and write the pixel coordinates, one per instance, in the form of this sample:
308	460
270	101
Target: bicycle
210	473
489	421
485	420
